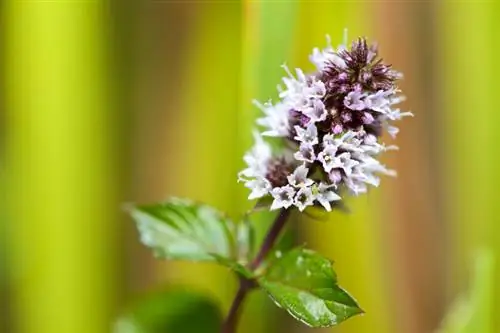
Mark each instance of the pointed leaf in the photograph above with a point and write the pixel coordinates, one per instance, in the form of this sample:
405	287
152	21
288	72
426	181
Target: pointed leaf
181	229
304	284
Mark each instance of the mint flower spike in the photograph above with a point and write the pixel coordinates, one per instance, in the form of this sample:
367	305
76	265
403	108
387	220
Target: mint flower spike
330	123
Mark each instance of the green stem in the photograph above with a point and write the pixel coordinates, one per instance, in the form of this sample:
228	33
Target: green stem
229	325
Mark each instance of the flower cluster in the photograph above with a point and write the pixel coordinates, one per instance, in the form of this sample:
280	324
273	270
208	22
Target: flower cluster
331	122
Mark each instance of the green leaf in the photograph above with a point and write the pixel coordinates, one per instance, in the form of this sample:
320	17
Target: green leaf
304	284
181	229
235	266
184	230
171	312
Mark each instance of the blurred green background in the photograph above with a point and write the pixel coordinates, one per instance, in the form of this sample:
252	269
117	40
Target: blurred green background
109	102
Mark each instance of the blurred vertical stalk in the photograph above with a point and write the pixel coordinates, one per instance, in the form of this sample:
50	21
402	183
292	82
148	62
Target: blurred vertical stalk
413	208
470	65
203	108
61	190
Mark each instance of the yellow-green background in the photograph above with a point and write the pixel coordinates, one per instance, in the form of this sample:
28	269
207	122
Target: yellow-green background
108	102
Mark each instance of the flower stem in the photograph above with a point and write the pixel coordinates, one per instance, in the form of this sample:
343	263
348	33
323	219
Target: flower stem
229	326
271	237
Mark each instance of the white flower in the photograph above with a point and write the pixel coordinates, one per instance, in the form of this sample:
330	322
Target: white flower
321	57
327	157
304	198
317	89
355	186
354	100
397	114
372	147
335	176
299	177
308	135
257	158
305	153
392	130
316	111
344	162
276	119
378	101
260	187
324	195
294	87
283	197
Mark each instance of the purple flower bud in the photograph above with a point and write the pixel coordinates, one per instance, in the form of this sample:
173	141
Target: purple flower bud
304	120
342	77
368	118
335	176
346	116
343	88
337	129
366	76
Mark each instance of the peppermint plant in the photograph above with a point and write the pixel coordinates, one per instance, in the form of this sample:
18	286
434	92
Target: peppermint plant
317	144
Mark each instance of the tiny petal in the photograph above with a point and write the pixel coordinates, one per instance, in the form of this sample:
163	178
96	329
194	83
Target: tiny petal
305	153
354	101
337	129
259	186
327	157
370	139
393	131
325	195
317	111
283	197
368	118
335	176
346	116
378	101
308	135
299	177
304	198
317	89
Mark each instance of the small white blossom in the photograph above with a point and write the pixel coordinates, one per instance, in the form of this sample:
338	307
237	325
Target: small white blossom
260	187
305	153
307	135
294	87
344	162
355	186
392	130
317	89
276	120
316	111
335	176
397	114
325	195
304	198
327	157
354	100
378	101
321	57
299	177
283	197
257	158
